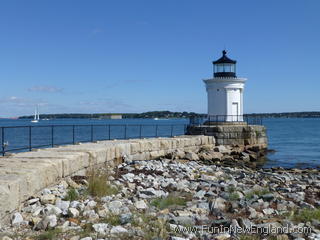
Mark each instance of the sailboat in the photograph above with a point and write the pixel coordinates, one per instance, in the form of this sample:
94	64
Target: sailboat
36	116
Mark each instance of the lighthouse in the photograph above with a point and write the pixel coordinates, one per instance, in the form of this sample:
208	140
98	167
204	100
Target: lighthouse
225	91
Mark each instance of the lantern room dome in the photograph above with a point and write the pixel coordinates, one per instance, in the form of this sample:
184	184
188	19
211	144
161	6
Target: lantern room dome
224	66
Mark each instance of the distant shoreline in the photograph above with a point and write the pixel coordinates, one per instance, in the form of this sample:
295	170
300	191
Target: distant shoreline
169	115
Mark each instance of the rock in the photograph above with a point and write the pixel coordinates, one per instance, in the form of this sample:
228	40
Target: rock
222	149
268	197
33	201
72	183
115	206
91	214
63	205
16	219
48	198
140	204
86	238
75	238
48	221
6	238
268	211
125	218
90	205
178	238
223	236
218	203
73	212
178	154
282	237
191	156
101	228
128	177
184	220
118	229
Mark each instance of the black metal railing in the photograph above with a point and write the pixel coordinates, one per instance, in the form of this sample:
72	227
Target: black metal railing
214	119
26	138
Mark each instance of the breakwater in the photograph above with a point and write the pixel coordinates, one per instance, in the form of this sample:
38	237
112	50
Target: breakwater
23	174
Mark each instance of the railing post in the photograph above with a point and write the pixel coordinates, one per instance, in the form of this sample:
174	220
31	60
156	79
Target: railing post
91	133
171	130
52	135
157	130
140	131
73	137
30	141
2	141
125	131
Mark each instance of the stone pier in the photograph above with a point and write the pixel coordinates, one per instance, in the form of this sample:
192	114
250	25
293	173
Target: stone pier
24	174
233	133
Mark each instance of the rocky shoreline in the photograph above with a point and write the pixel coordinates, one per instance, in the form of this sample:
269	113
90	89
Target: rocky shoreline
219	193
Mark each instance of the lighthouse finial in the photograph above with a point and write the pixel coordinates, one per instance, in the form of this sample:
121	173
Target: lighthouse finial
224	52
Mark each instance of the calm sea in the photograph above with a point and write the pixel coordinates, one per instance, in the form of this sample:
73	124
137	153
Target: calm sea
296	141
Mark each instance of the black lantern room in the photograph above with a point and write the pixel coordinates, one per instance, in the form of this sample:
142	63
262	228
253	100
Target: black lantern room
224	66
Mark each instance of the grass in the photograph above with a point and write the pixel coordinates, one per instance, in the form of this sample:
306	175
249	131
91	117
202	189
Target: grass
234	196
305	215
112	219
99	186
86	230
169	201
258	193
72	195
49	235
152	226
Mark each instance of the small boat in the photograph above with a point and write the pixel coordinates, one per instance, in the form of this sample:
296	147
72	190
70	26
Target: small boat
156	119
36	116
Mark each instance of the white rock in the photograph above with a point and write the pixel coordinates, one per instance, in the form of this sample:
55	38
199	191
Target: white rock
16	219
118	229
115	206
73	212
101	228
63	205
91	204
86	238
33	200
268	211
140	204
48	198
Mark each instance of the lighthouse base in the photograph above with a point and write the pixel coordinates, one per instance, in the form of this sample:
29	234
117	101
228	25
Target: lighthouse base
233	134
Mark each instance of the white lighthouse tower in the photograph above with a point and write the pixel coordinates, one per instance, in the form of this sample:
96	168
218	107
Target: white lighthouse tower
225	91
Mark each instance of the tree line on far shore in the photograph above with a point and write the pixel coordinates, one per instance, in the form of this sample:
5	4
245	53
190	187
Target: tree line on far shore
169	114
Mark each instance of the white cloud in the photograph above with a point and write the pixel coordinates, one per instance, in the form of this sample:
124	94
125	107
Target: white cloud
46	89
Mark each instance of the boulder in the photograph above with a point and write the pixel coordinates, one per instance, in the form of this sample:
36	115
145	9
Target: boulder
191	156
140	204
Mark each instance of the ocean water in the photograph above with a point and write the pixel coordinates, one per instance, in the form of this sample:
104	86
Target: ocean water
296	141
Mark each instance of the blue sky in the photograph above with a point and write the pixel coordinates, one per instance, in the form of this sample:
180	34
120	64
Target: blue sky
143	55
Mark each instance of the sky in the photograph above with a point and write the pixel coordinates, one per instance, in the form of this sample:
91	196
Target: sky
97	56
